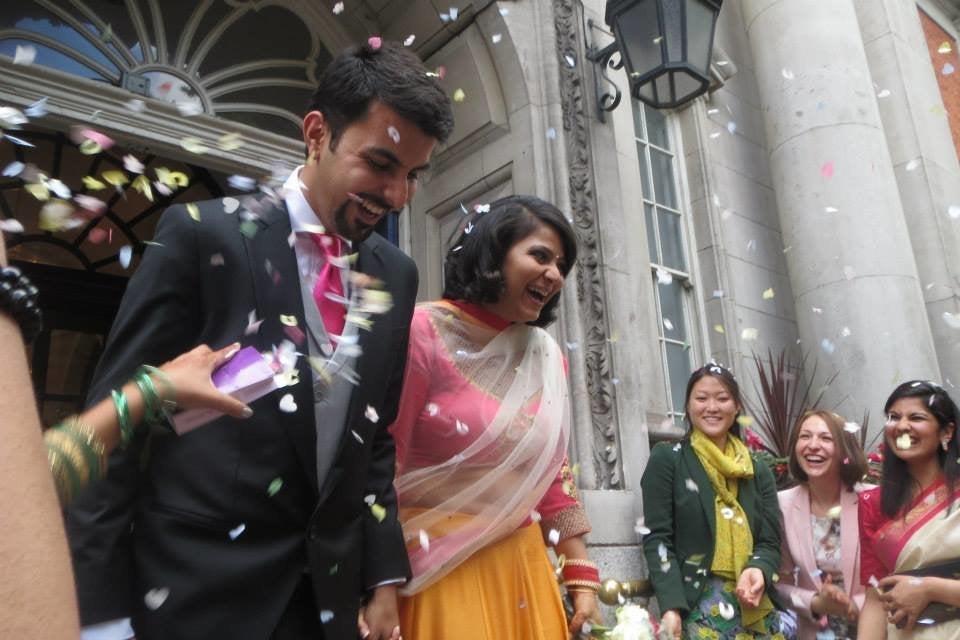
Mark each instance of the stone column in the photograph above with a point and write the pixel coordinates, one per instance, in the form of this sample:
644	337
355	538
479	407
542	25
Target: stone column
859	301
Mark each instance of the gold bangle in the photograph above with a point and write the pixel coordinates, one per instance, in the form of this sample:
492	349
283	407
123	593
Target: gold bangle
581	585
88	439
574	562
71	452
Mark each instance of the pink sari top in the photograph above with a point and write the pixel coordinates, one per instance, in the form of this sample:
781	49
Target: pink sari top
481	435
888	545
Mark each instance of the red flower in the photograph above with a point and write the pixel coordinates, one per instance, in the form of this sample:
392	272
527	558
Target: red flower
753	440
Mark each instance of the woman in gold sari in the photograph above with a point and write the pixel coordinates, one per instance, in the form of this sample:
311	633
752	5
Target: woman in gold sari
910	525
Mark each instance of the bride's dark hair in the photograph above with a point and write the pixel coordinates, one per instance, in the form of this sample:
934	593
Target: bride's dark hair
472	267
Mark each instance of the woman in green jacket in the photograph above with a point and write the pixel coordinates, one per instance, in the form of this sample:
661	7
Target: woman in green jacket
714	542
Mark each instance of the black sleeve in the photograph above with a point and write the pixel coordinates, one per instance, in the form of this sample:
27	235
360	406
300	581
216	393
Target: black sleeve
157	320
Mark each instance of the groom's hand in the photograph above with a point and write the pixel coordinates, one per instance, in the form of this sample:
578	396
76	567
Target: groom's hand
380	620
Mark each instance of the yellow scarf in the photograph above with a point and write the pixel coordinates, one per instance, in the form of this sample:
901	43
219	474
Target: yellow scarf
734	542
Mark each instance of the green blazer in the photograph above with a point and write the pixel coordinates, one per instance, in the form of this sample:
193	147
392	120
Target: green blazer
682	522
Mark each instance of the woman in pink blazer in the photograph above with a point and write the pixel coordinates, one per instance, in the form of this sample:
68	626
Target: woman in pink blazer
819	572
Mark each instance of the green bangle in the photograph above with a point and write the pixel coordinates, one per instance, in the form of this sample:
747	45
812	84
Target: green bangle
123	417
151	402
169	399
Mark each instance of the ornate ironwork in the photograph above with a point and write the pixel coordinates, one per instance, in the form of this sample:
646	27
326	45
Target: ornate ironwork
607	58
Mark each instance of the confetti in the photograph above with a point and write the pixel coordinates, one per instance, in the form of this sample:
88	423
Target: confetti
830	209
36	110
125	255
394	134
827	170
749	334
786	73
216	260
954	211
667	324
230	205
230	142
691	485
241	183
432	409
409	40
731	127
194	211
827	345
570	61
462	428
275	485
718	328
287	403
913	164
194	145
504	11
10	225
459	95
885	93
326	615
132	164
136	105
640	528
496	38
356	436
726	610
873	582
375	42
948	69
338	8
378	511
424	540
25	55
553	537
851	427
188	109
237	530
14	169
903	442
767	294
952	319
745	421
834	512
849	272
663	276
155	598
11	118
535	516
551	133
371	415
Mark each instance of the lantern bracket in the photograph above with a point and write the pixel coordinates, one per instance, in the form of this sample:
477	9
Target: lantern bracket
607	99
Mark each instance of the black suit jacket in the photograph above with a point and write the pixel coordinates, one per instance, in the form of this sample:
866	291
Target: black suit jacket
192	516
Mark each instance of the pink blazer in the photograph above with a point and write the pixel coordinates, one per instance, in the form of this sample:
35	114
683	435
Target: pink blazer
799	579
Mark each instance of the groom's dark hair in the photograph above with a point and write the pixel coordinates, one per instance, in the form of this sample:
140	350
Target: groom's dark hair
389	73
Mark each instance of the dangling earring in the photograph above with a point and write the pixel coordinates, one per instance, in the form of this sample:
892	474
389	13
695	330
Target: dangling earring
945	443
312	157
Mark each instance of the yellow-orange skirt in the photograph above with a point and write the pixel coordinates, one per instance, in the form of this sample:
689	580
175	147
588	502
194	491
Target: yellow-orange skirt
506	591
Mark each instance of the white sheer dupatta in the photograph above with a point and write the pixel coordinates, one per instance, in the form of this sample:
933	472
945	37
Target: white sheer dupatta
452	508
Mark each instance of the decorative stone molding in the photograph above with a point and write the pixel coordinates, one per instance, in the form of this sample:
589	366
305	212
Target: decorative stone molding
575	102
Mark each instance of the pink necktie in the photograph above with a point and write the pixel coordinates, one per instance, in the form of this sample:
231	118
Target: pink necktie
329	282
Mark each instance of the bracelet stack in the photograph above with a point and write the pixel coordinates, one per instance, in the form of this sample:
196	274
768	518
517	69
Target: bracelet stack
18	297
76	457
580	575
157	407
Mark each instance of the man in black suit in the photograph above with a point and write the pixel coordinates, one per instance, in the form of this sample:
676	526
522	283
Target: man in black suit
277	526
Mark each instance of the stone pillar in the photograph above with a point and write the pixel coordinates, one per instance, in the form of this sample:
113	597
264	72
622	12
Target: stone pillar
924	159
859	301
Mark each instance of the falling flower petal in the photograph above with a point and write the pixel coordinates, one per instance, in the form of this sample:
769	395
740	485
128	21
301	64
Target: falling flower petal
495	38
275	485
155	598
768	294
378	511
125	255
459	95
237	530
288	404
372	415
338	8
409	40
25	55
827	170
375	42
424	540
193	145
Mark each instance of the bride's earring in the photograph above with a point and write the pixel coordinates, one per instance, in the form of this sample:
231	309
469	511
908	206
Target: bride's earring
945	443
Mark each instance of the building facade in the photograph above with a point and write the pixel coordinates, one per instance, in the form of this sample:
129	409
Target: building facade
808	201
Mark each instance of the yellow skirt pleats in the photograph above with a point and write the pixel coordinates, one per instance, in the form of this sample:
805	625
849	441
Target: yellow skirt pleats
506	591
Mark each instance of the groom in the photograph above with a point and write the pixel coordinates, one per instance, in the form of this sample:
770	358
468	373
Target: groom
277	526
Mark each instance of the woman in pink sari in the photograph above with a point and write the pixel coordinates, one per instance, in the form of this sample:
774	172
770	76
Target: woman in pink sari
482	479
910	525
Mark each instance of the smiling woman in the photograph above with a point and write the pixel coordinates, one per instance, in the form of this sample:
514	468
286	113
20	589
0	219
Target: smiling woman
910	525
482	437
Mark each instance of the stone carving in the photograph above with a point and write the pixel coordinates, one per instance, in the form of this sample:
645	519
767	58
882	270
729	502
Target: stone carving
568	23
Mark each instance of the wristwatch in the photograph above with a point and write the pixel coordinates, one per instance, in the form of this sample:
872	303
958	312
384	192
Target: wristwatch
18	298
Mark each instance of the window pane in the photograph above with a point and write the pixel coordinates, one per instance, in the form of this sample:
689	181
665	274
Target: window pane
638	120
671	308
656	127
671	240
678	370
662	166
644	176
651	234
